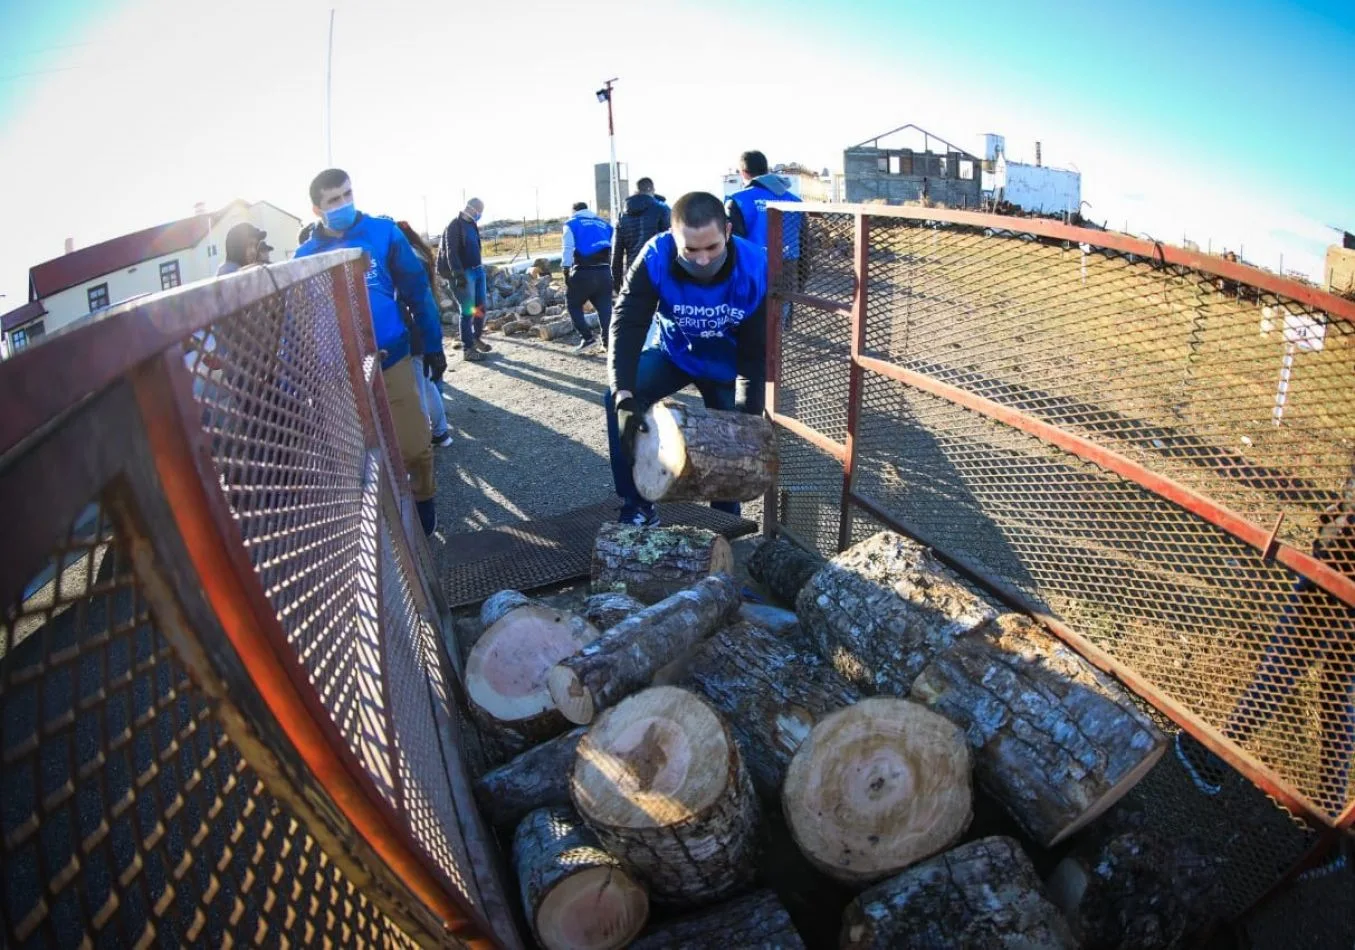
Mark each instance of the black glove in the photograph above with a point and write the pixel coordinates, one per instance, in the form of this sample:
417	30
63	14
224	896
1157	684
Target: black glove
434	364
630	420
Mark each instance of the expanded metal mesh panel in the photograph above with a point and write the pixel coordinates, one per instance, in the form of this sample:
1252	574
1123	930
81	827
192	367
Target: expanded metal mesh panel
287	443
815	369
824	266
420	705
127	817
1237	393
809	492
1199	614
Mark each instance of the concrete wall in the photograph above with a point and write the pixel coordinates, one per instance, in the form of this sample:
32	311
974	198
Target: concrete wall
1340	270
1037	187
901	175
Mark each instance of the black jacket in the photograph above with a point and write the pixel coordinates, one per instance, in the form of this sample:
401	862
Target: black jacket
460	247
645	216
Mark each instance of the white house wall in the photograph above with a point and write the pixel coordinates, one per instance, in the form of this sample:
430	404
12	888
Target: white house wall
143	278
1039	188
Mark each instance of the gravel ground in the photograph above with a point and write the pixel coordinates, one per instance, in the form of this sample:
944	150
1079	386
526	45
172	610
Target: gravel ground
531	438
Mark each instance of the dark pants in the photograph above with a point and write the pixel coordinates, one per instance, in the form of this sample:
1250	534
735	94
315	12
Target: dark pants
1291	650
592	285
655	378
474	298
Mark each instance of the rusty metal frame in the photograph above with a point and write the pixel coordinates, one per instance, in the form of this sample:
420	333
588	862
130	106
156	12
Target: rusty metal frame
1260	537
135	349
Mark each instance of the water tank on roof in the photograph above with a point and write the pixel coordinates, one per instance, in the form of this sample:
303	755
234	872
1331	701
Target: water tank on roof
993	146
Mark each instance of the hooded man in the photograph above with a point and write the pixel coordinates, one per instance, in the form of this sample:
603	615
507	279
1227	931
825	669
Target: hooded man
245	245
747	207
646	215
394	276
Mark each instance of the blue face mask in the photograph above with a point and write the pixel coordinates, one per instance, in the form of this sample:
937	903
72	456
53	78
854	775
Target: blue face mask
341	218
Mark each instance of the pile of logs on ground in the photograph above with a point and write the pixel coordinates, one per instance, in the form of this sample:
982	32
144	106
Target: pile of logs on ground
658	737
528	302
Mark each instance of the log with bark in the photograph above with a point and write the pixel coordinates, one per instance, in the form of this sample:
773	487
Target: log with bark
660	780
755	922
576	895
538	778
506	673
771	690
496	605
533	306
783	568
627	656
778	621
650	564
514	327
878	786
1054	740
555	329
982	894
1124	886
692	453
883	608
606	610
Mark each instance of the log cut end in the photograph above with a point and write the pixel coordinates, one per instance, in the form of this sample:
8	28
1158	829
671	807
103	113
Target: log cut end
698	454
602	908
876	787
506	673
658	757
570	696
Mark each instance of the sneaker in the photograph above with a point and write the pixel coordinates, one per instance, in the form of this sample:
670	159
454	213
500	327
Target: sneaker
639	517
483	347
473	355
583	346
1203	766
456	344
442	441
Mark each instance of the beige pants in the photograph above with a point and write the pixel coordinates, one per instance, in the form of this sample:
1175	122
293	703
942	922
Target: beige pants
411	428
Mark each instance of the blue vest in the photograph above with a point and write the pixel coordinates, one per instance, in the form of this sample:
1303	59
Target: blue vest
694	321
752	202
592	235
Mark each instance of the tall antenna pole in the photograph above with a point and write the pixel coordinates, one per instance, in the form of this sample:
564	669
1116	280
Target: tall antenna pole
329	95
605	95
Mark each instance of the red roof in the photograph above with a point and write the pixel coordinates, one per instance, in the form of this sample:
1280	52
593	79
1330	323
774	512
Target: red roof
21	315
70	270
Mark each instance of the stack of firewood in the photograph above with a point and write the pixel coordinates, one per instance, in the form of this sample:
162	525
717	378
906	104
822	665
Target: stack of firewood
656	735
527	302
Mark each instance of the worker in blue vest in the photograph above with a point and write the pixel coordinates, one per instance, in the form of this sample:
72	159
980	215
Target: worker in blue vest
747	208
586	258
692	311
394	276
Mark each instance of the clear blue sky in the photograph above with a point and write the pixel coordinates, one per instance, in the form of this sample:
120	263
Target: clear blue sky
1227	122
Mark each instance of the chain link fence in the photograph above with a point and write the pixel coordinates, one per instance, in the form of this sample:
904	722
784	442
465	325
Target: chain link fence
229	711
1151	449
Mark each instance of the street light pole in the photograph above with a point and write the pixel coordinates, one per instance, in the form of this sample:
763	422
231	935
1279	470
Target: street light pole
329	95
605	95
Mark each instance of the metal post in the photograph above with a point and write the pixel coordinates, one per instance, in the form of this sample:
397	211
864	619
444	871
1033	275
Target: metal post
329	95
855	381
775	325
614	197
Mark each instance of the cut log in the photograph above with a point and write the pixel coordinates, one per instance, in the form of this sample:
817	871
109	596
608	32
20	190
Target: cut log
533	306
605	611
783	568
555	329
506	673
755	922
538	778
771	691
575	894
876	787
496	605
983	894
697	454
650	564
628	655
1055	741
661	782
514	327
882	609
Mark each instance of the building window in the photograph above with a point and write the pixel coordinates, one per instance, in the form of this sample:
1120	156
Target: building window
22	337
882	164
169	275
98	297
966	169
895	165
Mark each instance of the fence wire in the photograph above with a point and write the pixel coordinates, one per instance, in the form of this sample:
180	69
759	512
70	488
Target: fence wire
1239	394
